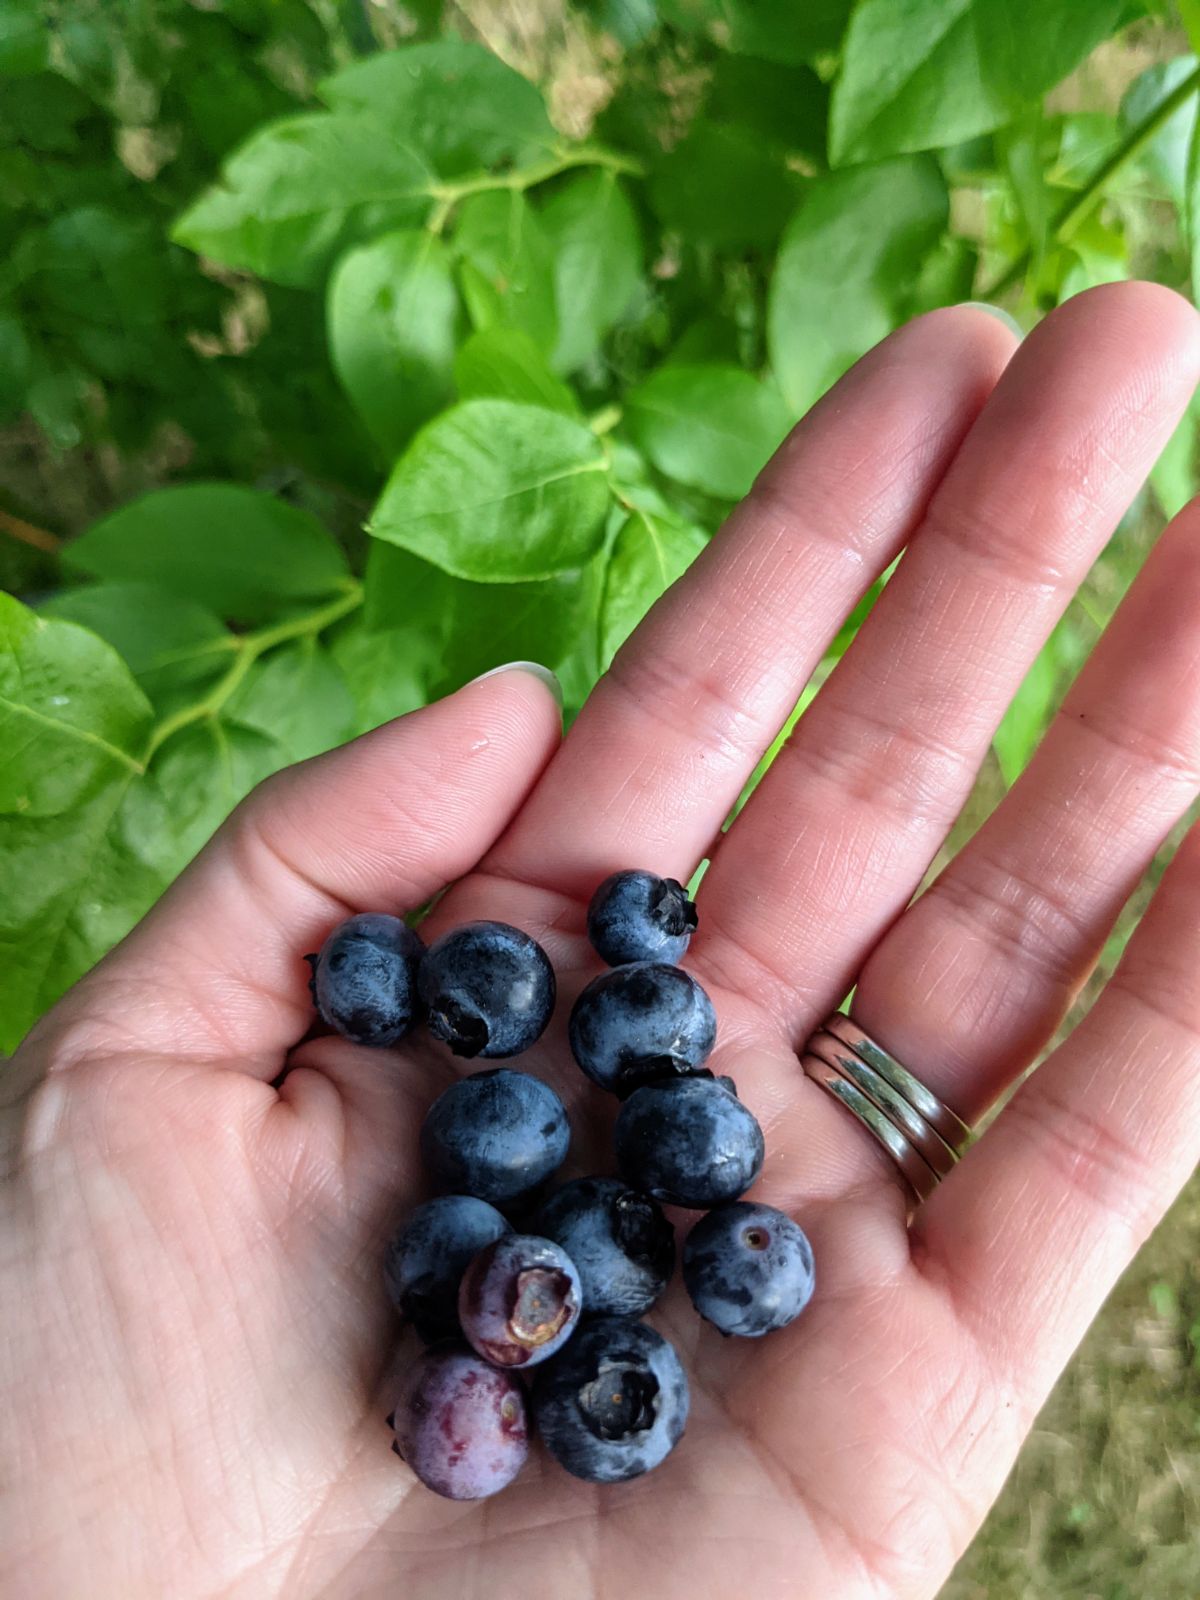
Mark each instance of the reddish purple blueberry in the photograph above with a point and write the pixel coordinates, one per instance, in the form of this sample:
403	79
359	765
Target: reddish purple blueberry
519	1300
461	1425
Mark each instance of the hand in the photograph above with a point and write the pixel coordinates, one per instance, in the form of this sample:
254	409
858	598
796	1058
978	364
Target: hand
196	1364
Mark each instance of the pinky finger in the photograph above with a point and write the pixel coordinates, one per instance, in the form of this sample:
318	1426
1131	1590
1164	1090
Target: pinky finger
1033	1228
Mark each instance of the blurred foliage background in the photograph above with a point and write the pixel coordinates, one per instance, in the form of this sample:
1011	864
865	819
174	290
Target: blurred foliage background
351	347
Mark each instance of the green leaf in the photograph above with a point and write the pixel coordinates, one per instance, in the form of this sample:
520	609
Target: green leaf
243	553
71	717
498	493
505	364
788	106
508	270
393	313
468	628
455	102
24	41
597	251
79	841
1174	477
387	670
845	263
204	770
921	73
777	30
712	427
653	548
299	192
165	639
723	186
297	697
1165	158
629	21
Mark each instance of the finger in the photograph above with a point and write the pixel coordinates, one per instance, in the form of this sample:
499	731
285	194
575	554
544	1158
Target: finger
839	834
1031	1231
976	977
661	750
216	969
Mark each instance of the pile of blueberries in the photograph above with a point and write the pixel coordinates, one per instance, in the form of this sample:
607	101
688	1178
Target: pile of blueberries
562	1289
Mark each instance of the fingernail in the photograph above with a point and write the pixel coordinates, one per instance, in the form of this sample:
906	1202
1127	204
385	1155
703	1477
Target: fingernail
1006	317
534	668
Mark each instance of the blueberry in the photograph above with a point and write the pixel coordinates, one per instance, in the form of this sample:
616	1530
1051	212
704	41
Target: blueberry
461	1425
688	1141
613	1403
489	989
428	1256
495	1135
364	980
519	1300
639	1023
638	916
748	1269
619	1239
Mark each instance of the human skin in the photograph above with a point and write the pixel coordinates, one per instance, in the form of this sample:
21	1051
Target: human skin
198	1348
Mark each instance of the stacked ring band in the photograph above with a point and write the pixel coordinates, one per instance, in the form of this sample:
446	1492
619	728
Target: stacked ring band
921	1134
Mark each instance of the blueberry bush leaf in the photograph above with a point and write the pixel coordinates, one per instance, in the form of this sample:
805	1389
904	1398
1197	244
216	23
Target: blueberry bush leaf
846	260
393	312
167	640
297	697
242	552
75	871
504	363
508	266
917	74
652	549
724	186
497	492
456	103
597	249
468	628
712	427
299	191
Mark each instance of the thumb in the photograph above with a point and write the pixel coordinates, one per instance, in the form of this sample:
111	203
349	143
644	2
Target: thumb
215	970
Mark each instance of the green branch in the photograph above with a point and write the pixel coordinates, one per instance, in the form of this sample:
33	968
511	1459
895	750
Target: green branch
249	647
1079	207
448	195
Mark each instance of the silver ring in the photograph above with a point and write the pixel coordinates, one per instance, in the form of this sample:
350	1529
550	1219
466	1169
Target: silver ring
921	1134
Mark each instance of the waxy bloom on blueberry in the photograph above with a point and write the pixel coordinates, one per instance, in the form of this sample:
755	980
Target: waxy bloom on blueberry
364	979
427	1257
748	1269
488	988
613	1403
619	1239
640	1023
689	1142
495	1135
638	916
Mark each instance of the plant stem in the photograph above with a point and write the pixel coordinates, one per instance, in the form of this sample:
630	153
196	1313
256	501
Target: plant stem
28	533
1080	205
527	177
249	647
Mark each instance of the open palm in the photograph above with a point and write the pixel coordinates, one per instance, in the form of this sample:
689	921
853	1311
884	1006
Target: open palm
200	1351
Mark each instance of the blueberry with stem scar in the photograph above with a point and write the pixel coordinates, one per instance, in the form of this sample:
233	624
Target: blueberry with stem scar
488	989
638	916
